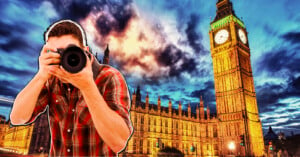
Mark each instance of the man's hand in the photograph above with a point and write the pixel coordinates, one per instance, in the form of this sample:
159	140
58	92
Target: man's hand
80	80
46	60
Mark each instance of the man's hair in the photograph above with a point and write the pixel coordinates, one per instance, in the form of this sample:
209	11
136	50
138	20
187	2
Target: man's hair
66	27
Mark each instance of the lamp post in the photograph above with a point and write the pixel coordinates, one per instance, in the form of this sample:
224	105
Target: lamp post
231	147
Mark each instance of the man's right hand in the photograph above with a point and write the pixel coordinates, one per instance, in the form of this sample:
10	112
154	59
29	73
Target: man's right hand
47	58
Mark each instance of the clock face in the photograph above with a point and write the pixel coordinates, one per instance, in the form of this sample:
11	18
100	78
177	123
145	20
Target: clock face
221	36
242	36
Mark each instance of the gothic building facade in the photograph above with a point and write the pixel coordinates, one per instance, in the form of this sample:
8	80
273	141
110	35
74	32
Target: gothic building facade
234	86
236	129
156	127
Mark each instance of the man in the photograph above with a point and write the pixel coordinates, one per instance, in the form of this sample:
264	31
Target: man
88	111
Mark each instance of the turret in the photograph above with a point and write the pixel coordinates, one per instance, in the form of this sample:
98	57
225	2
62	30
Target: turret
208	112
201	108
197	112
170	108
158	104
189	110
133	100
138	95
179	109
106	56
147	102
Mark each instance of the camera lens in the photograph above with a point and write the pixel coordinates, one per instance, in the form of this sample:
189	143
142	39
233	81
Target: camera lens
73	59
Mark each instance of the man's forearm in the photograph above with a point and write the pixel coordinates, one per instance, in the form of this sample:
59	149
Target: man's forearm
109	125
26	100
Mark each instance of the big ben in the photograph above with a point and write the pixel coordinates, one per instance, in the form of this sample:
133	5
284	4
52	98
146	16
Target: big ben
235	94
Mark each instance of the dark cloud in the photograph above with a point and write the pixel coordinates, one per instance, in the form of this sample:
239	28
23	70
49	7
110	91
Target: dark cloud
122	13
270	94
15	43
293	37
6	104
6	89
76	9
284	124
103	25
166	97
295	83
193	36
274	61
116	13
172	55
14	35
15	72
5	29
205	92
264	108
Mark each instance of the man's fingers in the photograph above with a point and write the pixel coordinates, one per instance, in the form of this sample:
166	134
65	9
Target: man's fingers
51	61
51	55
54	70
46	48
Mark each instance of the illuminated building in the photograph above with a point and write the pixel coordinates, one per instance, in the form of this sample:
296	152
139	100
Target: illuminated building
235	94
156	127
17	139
237	129
3	129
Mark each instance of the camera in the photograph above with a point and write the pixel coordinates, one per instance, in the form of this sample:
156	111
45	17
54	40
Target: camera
73	58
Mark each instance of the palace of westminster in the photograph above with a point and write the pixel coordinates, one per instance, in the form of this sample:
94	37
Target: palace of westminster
194	133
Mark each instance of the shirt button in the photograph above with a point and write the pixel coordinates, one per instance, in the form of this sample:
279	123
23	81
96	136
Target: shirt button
68	150
73	110
69	130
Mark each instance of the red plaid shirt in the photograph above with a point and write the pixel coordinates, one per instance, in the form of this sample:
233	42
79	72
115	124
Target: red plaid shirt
72	130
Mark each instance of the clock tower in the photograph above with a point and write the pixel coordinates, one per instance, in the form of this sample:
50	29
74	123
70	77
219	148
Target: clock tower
235	94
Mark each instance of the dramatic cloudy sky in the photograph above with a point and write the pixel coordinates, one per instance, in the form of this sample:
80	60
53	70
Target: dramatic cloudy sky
163	46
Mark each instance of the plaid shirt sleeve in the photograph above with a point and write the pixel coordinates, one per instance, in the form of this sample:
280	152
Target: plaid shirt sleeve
41	103
116	93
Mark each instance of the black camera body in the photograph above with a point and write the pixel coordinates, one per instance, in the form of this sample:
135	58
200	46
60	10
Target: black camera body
73	58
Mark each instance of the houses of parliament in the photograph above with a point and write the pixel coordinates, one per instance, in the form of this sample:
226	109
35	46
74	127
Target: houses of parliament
235	129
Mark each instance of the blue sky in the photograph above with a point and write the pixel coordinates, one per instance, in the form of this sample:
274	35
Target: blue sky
163	46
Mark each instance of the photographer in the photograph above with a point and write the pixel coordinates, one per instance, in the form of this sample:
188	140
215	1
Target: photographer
88	110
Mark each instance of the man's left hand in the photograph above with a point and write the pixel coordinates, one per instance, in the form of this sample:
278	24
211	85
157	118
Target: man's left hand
80	80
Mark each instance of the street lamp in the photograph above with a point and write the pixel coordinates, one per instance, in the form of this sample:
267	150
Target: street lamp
231	146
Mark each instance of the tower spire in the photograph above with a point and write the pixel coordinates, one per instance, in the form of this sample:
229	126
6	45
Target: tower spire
106	55
208	112
201	108
138	94
201	102
224	8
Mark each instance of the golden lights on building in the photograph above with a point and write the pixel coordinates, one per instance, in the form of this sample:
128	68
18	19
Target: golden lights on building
194	132
156	127
15	139
235	94
237	111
